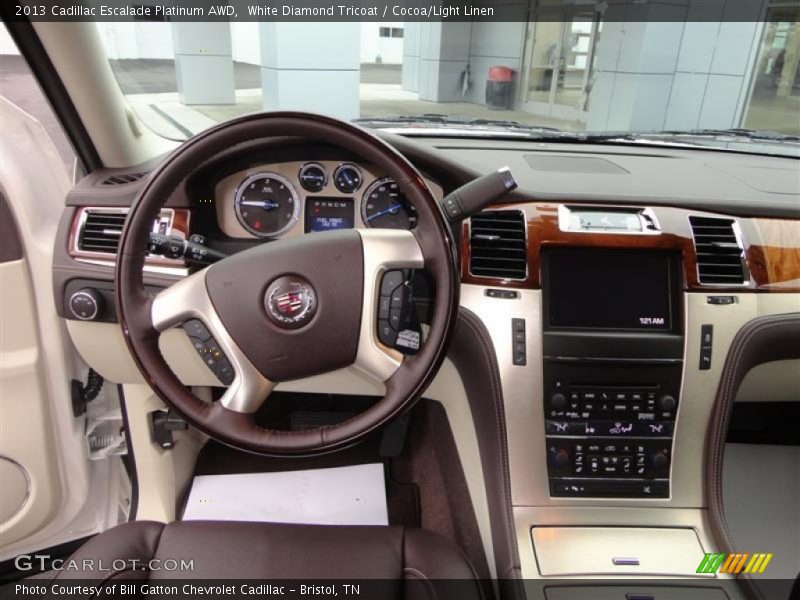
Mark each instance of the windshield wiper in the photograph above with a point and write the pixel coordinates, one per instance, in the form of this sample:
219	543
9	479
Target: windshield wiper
755	135
431	120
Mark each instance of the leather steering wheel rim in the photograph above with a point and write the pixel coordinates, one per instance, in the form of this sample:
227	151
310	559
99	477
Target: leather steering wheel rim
230	424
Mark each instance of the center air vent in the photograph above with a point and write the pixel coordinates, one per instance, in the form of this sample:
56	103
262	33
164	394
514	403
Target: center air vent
720	254
498	245
101	230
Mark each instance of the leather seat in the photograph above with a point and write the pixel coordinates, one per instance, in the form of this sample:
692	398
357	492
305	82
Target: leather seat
268	551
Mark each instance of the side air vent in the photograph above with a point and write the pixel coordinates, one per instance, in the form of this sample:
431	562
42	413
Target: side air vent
123	179
100	230
720	253
498	246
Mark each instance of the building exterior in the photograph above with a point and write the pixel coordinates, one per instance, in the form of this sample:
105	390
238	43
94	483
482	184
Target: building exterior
640	66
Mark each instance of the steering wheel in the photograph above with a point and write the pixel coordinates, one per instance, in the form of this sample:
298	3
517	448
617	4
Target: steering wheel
333	279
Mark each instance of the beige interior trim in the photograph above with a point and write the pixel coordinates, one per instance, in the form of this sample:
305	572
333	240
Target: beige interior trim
692	520
102	345
617	551
162	475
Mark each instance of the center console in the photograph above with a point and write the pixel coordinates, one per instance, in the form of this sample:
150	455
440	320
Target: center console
613	354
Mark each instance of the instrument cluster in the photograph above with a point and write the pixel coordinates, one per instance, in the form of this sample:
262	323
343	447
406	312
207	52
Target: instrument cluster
291	198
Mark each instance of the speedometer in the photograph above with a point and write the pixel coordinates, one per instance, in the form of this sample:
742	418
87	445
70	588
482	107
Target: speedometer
385	207
266	204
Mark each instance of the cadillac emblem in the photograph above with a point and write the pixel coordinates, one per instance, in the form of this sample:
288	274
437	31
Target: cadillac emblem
290	302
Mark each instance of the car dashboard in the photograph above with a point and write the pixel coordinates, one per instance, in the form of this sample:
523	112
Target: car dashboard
598	305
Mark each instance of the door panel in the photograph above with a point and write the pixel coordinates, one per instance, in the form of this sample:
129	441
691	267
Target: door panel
50	493
31	491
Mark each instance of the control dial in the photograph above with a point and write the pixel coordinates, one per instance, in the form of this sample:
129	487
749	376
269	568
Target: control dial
561	458
558	401
86	304
659	460
667	403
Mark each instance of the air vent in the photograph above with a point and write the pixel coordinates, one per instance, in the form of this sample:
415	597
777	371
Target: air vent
720	254
101	230
498	245
123	179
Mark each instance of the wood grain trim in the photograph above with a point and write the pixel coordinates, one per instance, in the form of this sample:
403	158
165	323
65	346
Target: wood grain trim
774	263
776	259
180	226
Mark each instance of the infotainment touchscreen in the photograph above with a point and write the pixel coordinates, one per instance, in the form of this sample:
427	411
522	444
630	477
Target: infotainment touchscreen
610	289
325	214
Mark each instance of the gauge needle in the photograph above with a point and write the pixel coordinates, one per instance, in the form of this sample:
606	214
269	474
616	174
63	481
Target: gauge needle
391	210
265	204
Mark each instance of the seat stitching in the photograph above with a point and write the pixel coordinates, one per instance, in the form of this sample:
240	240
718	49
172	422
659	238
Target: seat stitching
500	425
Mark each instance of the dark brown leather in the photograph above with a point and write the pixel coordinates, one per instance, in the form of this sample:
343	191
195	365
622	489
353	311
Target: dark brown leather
761	340
332	264
133	304
269	551
10	243
473	355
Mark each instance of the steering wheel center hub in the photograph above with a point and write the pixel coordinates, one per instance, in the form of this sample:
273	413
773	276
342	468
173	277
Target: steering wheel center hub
291	302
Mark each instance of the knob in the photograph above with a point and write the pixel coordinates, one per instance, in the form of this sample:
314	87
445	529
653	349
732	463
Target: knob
558	401
659	460
561	458
86	304
667	403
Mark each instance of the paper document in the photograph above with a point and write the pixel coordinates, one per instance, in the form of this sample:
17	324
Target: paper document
339	496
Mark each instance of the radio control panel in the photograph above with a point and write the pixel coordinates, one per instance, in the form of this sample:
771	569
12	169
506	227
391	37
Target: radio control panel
609	428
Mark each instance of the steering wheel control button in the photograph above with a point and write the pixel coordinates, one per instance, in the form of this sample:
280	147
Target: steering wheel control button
386	333
224	371
290	302
196	329
399	328
86	304
209	351
384	304
391	281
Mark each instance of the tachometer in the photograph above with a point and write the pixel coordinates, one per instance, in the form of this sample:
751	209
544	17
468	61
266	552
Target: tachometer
385	207
266	204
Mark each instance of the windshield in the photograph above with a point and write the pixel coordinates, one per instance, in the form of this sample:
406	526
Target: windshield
574	72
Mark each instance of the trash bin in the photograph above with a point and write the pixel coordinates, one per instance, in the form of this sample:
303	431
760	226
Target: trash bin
498	88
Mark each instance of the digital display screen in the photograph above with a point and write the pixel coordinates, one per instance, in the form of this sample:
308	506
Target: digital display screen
604	289
327	214
587	220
